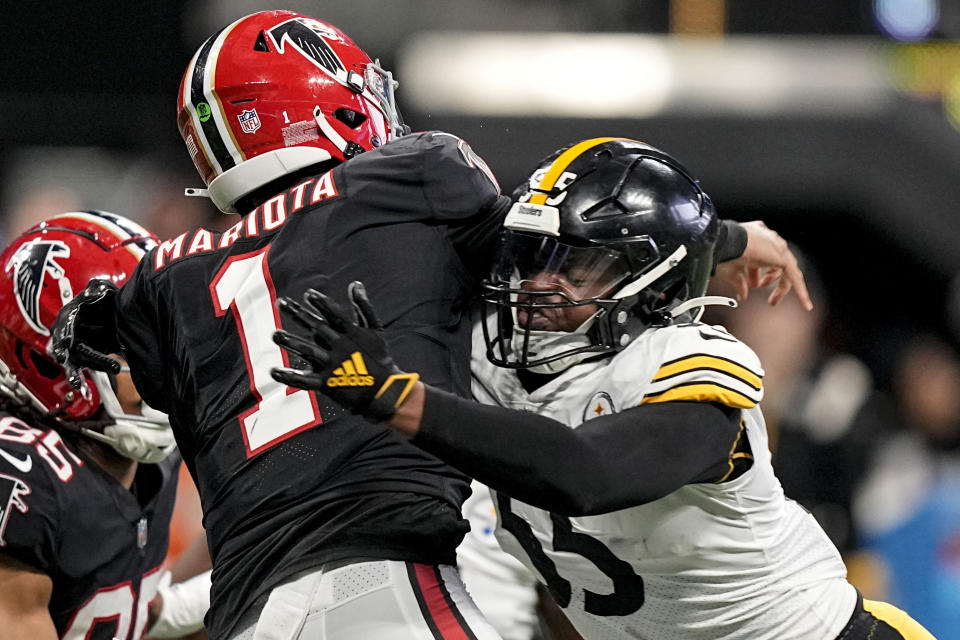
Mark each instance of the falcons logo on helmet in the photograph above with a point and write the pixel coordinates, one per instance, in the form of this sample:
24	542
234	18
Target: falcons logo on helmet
32	263
14	489
310	39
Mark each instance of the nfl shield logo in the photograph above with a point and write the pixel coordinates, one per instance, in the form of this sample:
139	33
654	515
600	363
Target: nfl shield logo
249	121
142	533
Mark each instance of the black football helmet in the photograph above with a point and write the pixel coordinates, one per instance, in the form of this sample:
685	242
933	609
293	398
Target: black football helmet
623	222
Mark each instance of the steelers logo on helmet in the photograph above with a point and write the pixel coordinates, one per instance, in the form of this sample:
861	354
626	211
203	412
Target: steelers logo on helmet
607	237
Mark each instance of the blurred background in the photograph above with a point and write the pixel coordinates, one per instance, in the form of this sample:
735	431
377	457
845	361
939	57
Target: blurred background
835	121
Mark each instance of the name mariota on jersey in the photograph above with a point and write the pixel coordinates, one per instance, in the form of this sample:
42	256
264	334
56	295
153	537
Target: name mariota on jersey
267	217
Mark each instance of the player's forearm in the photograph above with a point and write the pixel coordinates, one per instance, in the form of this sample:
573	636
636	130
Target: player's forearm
25	594
607	464
182	607
36	625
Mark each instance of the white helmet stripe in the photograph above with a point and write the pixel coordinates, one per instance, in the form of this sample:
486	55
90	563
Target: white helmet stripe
187	100
649	277
216	108
204	105
103	221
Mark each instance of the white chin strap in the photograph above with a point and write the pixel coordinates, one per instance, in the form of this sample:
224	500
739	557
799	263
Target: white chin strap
701	302
144	438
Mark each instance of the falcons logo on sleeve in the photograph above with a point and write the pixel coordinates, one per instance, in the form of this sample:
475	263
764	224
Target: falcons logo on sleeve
31	265
12	492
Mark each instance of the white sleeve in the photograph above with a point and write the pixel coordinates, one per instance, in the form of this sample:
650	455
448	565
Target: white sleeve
503	589
184	606
703	363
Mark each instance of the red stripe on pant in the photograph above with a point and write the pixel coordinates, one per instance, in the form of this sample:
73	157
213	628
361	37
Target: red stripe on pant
444	619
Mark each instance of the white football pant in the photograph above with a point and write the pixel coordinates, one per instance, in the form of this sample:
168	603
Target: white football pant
375	600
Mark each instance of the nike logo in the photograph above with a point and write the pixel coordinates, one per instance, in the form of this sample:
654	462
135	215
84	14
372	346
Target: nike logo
22	464
716	336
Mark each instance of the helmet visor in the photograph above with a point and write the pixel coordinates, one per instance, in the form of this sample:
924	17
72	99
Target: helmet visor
535	265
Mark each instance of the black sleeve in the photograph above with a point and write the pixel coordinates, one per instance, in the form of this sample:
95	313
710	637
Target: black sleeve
476	237
731	242
608	463
138	332
457	183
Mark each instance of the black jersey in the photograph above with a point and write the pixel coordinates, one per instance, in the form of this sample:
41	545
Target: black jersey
101	545
289	480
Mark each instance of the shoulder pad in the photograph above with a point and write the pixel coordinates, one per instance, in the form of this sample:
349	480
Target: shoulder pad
703	363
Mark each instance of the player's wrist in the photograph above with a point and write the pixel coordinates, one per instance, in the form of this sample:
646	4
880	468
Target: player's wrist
406	418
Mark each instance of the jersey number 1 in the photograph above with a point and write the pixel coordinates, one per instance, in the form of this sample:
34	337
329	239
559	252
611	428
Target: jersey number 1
244	287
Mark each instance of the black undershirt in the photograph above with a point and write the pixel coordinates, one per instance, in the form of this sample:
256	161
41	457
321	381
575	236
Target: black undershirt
731	242
608	463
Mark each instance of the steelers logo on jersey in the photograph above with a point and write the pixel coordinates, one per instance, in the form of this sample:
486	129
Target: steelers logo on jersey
601	404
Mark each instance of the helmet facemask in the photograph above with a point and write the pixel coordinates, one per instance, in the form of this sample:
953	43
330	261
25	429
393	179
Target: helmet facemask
144	437
552	302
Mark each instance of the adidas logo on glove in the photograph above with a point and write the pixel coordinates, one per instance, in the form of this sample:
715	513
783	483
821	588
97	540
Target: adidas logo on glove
352	373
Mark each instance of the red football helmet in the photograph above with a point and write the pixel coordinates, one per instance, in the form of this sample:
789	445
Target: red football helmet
275	92
42	270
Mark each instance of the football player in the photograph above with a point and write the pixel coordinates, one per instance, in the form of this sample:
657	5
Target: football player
87	479
345	528
293	125
624	438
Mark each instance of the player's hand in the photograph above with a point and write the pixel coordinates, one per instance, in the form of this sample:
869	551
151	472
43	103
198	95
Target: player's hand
346	355
766	260
86	331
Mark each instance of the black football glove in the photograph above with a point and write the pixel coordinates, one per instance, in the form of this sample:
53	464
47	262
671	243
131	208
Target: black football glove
86	331
347	356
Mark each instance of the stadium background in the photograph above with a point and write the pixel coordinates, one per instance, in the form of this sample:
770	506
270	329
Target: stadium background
837	122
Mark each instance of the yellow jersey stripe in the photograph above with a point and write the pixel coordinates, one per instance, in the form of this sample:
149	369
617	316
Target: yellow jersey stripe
560	165
713	363
702	392
733	448
909	628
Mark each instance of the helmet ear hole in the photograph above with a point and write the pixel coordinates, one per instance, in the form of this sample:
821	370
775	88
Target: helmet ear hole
44	367
261	43
349	117
22	348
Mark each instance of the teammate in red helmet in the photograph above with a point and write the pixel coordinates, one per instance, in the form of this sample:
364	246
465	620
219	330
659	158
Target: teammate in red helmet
88	476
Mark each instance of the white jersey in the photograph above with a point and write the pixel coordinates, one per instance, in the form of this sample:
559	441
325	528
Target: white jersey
733	560
503	589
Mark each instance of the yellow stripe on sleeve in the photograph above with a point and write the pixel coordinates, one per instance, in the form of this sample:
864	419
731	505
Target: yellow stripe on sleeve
703	392
701	361
909	628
